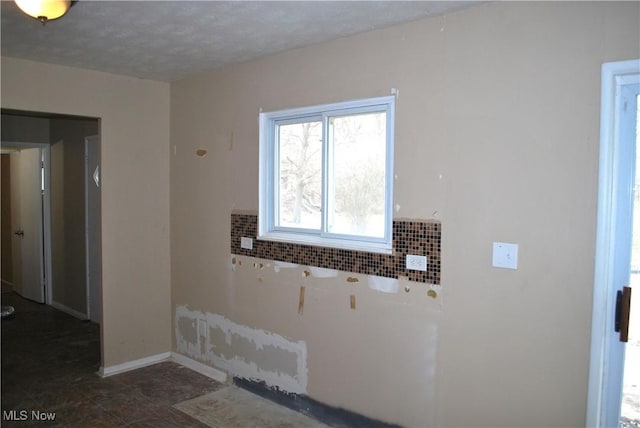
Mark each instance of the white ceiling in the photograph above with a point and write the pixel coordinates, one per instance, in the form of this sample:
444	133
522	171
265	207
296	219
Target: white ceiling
170	40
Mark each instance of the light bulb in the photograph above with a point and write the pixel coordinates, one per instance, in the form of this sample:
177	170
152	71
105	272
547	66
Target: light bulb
44	10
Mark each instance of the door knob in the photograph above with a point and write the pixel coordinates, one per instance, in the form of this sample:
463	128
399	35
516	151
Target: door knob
19	233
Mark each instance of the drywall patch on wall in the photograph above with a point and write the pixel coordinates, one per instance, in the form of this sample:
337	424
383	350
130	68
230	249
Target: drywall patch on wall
383	284
188	329
242	351
277	265
285	265
308	273
317	272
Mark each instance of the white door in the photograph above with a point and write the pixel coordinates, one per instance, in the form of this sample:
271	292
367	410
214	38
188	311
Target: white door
620	88
93	228
27	226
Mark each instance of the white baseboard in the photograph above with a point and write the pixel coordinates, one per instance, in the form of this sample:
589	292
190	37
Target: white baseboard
68	310
203	369
135	364
187	362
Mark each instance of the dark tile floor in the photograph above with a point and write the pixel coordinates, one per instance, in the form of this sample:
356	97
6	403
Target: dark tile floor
50	362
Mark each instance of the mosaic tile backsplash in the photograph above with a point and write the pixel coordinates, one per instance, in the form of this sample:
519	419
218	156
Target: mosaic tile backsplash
409	237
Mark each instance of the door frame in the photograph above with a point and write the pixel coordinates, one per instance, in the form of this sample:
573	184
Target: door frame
46	264
94	288
607	353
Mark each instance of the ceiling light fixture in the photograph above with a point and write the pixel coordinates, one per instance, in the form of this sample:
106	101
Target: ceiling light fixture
45	10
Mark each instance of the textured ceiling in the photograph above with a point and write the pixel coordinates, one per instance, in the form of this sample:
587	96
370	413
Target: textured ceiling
170	40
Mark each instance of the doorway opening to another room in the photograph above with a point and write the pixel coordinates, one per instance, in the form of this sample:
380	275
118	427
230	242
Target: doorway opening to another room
69	217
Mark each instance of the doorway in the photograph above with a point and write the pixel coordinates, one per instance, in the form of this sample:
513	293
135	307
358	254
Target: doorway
617	252
70	223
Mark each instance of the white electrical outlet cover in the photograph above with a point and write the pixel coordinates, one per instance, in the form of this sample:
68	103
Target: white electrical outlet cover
415	262
505	255
246	243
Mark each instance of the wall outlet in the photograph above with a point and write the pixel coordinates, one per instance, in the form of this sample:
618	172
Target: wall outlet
246	243
416	262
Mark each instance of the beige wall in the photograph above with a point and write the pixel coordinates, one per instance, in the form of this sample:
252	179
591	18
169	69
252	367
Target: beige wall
496	136
134	117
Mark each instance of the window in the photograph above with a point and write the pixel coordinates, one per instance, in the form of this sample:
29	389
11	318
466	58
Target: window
326	175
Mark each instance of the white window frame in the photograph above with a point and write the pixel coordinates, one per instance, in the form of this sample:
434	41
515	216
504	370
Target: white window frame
267	229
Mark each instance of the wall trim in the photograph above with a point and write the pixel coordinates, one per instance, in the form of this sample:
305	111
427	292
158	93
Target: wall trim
187	362
196	366
133	365
68	310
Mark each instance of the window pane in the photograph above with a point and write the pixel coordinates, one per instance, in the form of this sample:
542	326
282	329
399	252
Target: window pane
357	153
300	175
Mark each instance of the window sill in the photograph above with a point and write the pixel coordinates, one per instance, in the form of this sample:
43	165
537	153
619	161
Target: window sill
318	241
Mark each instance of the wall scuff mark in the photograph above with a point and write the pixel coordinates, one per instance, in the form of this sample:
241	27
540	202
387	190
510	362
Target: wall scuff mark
231	141
243	351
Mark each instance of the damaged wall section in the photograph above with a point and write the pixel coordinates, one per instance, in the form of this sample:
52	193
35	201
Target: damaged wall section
242	351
